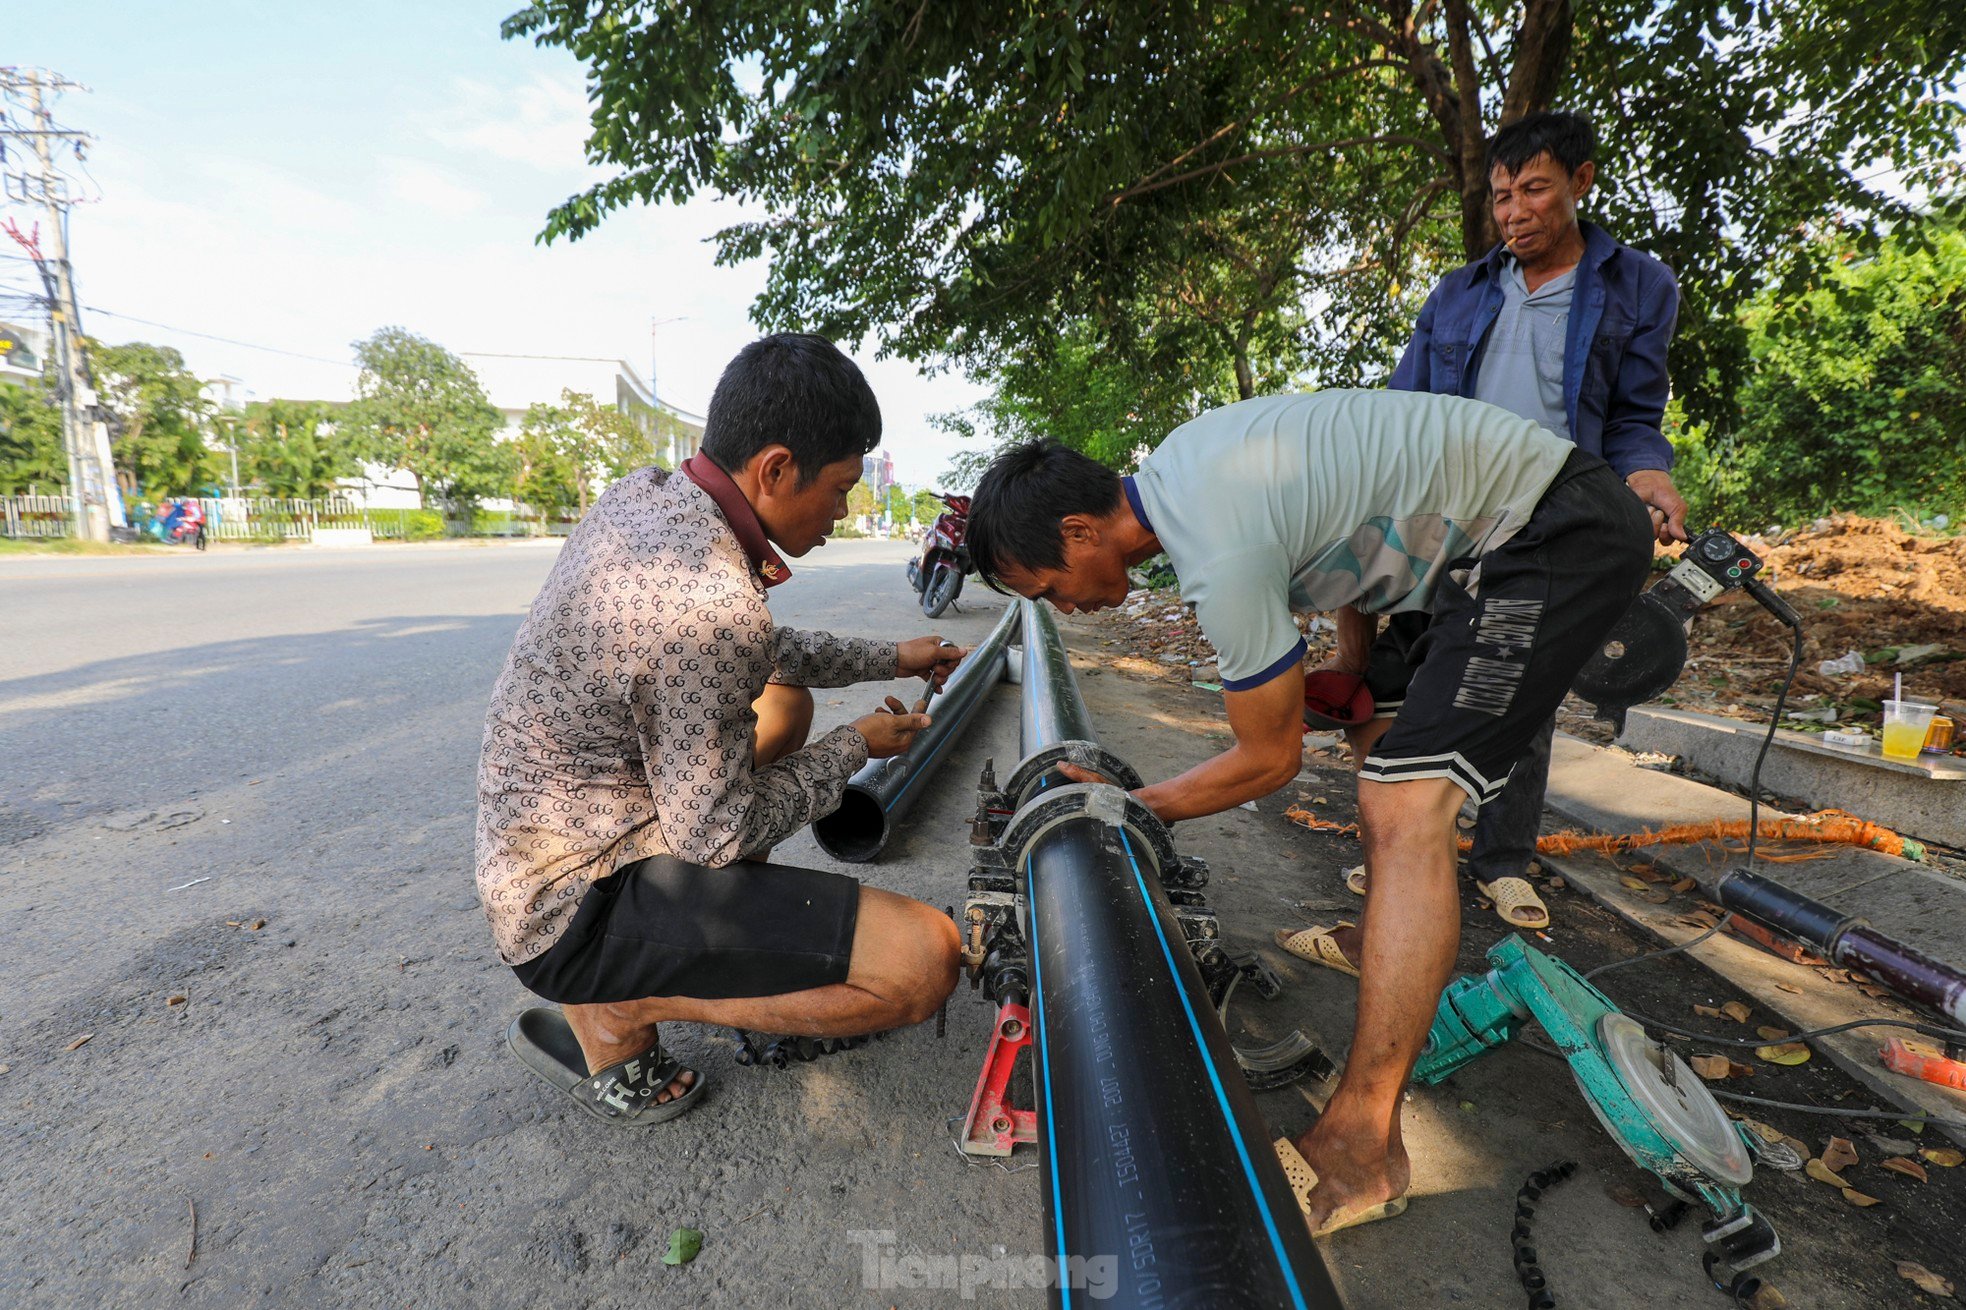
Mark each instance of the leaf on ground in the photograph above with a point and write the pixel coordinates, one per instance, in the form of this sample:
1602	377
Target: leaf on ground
1771	1033
1632	884
1738	1011
1767	1297
1700	920
175	999
1628	1197
1946	1157
1655	896
1715	1067
1766	1132
1859	1199
1708	1011
1684	885
684	1243
79	1041
1838	1153
1790	988
1910	1168
1558	884
1924	1279
1789	1053
1822	1173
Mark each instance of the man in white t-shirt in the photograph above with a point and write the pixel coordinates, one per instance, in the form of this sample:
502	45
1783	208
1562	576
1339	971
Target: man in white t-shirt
1522	549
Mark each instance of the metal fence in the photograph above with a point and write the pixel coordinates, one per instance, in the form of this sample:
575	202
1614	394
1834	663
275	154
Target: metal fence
268	518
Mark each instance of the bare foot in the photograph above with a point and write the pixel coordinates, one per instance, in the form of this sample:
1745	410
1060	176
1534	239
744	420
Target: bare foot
1355	1171
607	1038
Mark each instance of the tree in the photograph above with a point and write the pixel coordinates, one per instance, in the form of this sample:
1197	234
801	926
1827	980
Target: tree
546	475
1225	199
420	408
31	453
567	451
926	505
1854	402
158	418
293	448
860	501
897	506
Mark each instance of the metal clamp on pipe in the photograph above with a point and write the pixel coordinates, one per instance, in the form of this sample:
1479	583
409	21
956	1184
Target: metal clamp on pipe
1029	775
1095	800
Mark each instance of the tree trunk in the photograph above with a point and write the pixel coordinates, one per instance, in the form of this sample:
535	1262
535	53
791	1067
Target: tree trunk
1469	143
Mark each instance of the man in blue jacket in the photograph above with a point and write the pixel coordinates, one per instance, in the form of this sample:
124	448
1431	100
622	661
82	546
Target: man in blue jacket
1561	325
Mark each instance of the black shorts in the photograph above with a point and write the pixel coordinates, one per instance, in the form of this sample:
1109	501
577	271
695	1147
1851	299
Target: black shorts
665	927
1470	684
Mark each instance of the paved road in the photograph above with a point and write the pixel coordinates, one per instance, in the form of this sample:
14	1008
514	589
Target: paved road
197	744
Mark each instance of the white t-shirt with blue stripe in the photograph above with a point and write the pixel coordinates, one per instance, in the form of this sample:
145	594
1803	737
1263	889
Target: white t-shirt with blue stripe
1311	502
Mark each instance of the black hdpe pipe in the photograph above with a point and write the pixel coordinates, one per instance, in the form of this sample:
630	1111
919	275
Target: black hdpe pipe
883	791
1160	1184
1849	940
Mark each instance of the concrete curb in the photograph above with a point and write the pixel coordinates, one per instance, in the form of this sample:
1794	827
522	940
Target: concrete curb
1924	799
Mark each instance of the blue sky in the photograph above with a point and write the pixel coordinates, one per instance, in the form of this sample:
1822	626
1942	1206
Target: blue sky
296	176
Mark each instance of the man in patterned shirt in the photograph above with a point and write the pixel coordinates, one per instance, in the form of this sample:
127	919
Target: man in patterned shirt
646	747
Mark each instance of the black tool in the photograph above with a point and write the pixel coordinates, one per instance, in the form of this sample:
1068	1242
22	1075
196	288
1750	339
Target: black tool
1643	654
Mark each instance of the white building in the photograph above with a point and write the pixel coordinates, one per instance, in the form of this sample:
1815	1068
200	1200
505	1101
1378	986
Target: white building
516	383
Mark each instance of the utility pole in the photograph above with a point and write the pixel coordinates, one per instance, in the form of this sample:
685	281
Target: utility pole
88	463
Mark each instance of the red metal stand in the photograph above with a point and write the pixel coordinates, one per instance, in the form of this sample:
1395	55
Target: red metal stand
994	1126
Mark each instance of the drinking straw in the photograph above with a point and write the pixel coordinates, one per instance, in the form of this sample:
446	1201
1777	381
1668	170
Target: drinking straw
1898	687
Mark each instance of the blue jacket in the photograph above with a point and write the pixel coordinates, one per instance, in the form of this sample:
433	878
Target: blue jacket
1614	357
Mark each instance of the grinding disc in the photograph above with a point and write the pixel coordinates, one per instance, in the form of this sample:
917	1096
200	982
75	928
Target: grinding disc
1671	1097
1639	660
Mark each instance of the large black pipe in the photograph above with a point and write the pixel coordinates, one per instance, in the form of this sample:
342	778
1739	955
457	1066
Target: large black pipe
883	791
1153	1151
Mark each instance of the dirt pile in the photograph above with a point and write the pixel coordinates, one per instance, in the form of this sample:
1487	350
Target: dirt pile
1896	598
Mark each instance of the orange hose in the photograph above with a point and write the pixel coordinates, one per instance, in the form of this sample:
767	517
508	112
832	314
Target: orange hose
1830	826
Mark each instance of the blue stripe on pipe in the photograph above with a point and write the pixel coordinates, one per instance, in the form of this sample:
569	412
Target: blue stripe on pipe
1044	1059
1215	1080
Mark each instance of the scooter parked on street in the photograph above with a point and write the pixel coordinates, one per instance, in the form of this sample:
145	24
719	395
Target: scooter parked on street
937	576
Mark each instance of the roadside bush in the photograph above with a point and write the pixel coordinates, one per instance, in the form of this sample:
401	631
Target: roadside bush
422	525
1857	396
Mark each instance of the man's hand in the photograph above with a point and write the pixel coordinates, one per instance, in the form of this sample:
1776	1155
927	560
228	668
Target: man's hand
1662	499
928	657
889	731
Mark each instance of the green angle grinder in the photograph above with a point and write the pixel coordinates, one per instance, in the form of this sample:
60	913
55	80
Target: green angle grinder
1652	1104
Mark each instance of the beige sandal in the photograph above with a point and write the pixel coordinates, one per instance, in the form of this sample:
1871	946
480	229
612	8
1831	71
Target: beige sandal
1355	880
1318	946
1516	903
1303	1178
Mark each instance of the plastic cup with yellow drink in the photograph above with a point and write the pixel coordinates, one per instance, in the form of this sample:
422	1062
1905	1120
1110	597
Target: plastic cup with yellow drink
1905	725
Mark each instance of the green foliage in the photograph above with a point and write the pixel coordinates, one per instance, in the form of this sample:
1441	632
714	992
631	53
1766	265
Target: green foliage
860	501
31	453
565	451
422	524
158	417
419	408
1856	400
926	506
292	448
1220	200
897	507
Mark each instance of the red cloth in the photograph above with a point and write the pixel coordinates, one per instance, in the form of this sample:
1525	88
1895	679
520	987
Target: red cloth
703	471
1338	699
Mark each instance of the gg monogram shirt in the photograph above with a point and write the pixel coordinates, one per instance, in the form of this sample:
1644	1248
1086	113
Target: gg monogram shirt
621	724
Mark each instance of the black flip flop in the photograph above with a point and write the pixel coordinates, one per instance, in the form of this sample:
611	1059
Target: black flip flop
622	1094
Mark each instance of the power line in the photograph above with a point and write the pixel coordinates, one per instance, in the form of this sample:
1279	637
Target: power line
230	341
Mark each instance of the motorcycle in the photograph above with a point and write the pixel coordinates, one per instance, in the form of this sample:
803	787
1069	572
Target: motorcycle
179	521
937	576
